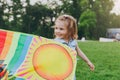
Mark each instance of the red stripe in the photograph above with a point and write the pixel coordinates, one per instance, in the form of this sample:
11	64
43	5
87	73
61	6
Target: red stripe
2	40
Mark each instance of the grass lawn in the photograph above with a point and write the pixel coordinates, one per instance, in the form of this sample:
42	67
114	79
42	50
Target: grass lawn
106	58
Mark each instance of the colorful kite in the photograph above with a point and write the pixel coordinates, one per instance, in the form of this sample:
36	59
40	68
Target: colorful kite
30	57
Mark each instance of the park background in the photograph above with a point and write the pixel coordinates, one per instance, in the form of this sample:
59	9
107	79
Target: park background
93	17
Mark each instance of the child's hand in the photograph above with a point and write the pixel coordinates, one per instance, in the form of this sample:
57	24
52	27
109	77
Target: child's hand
92	67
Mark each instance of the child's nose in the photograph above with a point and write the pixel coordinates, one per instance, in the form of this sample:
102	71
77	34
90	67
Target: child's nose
57	30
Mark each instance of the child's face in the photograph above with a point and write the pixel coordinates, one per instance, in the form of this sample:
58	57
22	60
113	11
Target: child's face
60	30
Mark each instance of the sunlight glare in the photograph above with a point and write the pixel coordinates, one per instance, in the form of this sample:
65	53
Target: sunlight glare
116	8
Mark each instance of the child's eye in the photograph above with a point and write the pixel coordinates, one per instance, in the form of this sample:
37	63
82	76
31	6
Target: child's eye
61	28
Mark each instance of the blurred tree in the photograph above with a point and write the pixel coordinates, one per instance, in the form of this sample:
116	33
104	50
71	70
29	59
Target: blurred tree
38	20
100	17
93	16
115	21
102	10
87	24
71	7
3	6
16	11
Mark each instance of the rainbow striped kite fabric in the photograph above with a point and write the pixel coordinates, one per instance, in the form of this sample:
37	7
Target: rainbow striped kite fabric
30	57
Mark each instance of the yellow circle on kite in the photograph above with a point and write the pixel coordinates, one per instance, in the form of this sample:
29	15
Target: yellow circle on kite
52	62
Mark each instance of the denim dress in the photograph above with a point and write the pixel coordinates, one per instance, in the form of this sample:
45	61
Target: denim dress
72	44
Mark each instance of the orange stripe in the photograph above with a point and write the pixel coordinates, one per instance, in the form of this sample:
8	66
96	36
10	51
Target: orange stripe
7	45
5	76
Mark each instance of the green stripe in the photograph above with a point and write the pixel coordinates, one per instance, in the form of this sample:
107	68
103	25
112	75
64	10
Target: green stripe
18	51
12	48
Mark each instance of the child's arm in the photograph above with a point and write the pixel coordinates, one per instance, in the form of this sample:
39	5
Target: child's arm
84	57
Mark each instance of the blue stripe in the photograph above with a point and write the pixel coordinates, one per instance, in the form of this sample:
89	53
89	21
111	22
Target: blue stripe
18	51
23	54
19	78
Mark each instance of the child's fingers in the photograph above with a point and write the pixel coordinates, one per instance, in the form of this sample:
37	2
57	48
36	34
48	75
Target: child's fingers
92	67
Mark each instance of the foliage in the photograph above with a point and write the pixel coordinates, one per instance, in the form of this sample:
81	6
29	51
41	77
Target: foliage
3	5
115	21
16	11
36	19
102	22
72	7
87	23
102	10
105	57
93	16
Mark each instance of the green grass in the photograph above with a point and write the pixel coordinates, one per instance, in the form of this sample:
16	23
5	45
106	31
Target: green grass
106	58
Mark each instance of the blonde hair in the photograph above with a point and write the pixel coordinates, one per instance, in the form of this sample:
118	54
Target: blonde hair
71	25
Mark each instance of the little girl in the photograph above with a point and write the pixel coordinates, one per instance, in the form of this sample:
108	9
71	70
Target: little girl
65	31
